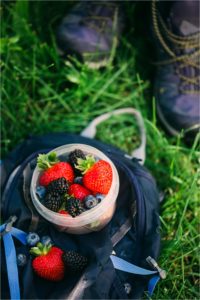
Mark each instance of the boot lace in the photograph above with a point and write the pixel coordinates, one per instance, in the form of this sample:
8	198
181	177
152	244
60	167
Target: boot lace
184	53
99	22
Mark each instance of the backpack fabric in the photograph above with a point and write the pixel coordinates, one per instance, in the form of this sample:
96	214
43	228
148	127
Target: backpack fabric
132	234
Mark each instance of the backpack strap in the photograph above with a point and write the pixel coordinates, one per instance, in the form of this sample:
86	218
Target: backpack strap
7	231
27	175
122	231
123	265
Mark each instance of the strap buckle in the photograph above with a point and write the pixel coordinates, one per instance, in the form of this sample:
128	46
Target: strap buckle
154	264
8	225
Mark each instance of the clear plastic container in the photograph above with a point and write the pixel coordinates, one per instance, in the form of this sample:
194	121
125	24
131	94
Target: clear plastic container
91	220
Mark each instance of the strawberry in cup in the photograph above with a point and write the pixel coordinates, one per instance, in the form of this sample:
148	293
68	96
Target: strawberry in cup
81	186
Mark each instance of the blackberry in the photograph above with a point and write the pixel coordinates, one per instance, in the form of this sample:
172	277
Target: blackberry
73	159
53	201
74	261
60	185
74	207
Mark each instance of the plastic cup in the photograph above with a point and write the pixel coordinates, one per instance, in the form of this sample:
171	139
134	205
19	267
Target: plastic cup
91	220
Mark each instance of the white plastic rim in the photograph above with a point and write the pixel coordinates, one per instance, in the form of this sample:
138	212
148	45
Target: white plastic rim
86	217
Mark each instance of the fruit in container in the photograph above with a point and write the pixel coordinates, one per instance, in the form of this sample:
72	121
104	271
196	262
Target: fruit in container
74	206
53	169
60	185
53	201
66	194
78	191
97	177
74	156
90	201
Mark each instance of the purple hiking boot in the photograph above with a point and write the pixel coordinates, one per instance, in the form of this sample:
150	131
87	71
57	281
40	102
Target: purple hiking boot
177	83
91	31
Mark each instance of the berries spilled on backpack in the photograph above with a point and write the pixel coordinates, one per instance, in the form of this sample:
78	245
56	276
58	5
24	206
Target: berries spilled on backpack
32	239
21	260
74	261
46	240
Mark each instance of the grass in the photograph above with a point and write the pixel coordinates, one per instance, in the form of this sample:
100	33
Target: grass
42	93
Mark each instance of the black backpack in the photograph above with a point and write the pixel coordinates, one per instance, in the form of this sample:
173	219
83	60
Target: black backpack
121	256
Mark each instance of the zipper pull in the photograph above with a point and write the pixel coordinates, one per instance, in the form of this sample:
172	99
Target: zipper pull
155	265
8	225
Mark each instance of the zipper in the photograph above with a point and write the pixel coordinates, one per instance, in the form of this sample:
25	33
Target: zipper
12	180
139	199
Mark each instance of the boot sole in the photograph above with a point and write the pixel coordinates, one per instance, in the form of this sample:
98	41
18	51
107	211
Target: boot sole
170	129
90	64
193	130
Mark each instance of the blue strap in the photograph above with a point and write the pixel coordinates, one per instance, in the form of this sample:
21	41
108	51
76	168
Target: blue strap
11	265
152	284
20	235
10	255
2	227
123	265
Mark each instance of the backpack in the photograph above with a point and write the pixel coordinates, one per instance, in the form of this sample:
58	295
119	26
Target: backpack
122	256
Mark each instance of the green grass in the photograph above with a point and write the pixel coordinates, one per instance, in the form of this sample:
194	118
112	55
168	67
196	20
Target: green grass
42	93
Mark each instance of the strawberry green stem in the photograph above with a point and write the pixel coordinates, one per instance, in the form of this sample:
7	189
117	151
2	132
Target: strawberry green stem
45	161
40	249
85	164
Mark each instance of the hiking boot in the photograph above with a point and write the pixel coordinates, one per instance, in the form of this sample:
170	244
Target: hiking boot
91	31
177	80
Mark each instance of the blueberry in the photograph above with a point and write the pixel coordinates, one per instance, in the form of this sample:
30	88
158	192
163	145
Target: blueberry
21	260
40	191
46	240
90	202
99	197
127	288
32	239
78	180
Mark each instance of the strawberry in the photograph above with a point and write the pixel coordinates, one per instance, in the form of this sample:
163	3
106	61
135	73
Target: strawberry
63	212
78	191
53	169
98	178
48	264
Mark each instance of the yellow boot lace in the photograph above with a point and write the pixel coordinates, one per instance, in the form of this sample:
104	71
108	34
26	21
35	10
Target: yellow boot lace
173	45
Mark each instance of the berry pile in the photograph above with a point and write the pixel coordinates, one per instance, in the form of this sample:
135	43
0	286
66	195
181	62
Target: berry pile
74	261
49	261
73	186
